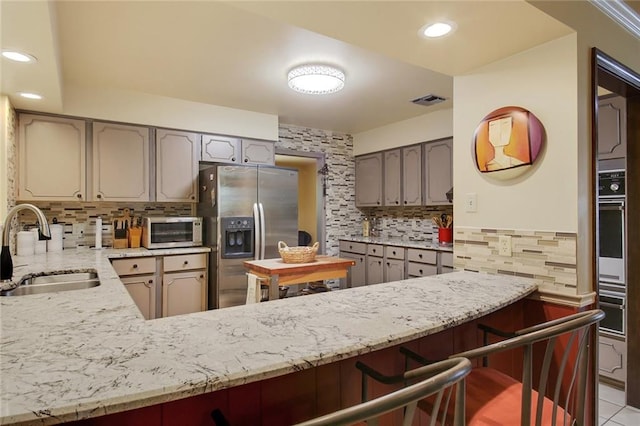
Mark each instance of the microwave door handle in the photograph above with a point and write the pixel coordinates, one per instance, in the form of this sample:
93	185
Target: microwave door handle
256	232
263	231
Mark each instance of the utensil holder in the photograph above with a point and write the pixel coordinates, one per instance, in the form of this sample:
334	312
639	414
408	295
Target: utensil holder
445	235
135	236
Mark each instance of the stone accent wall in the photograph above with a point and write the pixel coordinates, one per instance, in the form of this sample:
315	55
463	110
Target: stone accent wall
543	255
70	213
12	169
341	216
406	223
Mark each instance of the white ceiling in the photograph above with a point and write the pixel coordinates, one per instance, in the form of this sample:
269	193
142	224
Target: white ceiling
237	54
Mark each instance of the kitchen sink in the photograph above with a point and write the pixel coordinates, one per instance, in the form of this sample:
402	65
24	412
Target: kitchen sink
59	281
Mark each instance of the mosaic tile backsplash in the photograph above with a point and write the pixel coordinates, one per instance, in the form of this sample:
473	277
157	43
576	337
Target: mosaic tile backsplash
406	223
547	256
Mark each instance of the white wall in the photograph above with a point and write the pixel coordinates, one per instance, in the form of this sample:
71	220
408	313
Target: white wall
141	108
544	81
427	127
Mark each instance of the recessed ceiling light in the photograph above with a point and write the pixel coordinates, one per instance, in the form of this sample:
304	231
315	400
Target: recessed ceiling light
316	79
29	95
14	55
437	29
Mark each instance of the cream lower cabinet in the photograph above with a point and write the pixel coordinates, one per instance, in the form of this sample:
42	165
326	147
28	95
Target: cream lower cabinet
357	274
138	274
612	357
184	284
375	264
422	263
163	286
394	269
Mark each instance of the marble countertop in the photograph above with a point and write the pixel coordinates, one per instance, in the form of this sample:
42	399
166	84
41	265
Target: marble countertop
424	244
77	354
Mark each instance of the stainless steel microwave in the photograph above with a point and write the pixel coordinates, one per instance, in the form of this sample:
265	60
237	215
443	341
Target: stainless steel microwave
171	232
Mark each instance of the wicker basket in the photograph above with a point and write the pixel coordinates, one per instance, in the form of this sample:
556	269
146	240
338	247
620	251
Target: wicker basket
297	254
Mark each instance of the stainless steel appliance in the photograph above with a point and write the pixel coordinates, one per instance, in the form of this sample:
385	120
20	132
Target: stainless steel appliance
171	232
612	251
246	210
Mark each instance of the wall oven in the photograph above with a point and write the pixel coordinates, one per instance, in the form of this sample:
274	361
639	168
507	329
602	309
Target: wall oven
612	251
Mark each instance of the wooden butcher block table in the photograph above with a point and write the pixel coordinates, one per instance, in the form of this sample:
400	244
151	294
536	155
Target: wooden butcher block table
280	274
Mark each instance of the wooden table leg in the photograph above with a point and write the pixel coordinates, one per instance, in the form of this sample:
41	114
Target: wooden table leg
274	291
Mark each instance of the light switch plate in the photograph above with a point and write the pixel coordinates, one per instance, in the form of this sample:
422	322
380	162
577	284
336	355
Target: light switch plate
78	229
471	202
504	245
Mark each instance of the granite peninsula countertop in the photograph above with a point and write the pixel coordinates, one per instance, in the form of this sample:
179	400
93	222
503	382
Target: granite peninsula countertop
424	244
77	354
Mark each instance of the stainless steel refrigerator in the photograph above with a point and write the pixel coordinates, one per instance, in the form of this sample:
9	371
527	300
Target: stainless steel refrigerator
246	210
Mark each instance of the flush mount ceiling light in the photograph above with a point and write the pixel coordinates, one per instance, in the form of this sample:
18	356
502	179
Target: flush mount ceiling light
16	56
30	95
316	79
437	29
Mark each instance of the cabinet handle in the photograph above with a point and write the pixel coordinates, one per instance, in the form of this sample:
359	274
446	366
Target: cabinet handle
79	195
201	275
193	197
233	159
186	262
397	202
374	250
394	252
420	271
420	256
99	196
405	202
378	202
388	264
246	160
150	281
135	266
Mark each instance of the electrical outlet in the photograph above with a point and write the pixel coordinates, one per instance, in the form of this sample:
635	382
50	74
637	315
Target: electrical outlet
471	202
78	229
504	245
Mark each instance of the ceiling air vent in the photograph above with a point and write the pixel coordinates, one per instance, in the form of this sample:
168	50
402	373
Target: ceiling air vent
428	100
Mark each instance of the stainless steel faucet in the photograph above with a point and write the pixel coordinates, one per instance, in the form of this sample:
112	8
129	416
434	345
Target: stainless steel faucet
6	264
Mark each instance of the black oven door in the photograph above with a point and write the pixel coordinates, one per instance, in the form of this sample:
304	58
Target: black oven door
613	305
611	232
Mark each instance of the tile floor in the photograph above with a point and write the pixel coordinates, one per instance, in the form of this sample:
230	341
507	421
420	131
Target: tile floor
612	410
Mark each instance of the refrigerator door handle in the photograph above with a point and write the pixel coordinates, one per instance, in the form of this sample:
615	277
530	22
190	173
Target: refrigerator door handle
256	232
263	232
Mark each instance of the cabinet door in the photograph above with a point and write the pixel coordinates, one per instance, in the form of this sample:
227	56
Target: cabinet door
176	166
258	152
120	162
394	270
412	175
612	128
612	358
438	171
220	149
52	158
142	289
369	180
392	178
184	293
375	270
356	275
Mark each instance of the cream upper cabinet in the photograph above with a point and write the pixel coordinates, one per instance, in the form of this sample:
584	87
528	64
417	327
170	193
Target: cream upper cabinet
412	175
369	180
438	170
176	166
51	158
240	151
120	162
392	178
612	128
221	149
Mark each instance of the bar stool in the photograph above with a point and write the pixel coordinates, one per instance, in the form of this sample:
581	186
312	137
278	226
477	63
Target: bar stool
433	380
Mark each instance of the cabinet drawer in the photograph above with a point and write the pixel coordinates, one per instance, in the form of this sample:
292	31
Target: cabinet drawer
375	250
185	262
421	269
393	252
353	247
135	266
447	259
422	256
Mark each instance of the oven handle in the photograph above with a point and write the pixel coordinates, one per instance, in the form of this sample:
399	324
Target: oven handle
612	208
612	305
